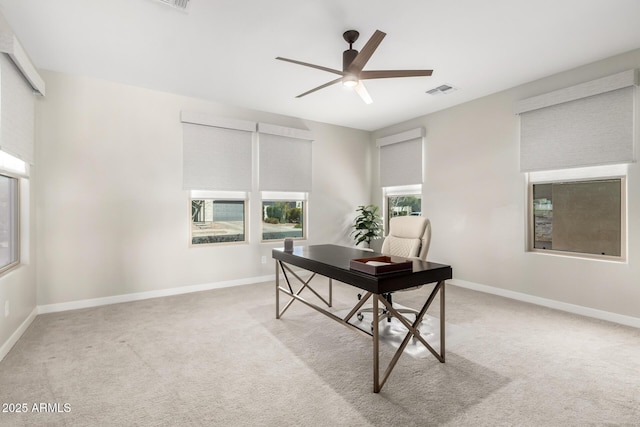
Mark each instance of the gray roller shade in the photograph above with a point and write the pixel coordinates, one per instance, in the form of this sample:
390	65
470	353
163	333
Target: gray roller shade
285	159
401	158
216	153
17	105
585	125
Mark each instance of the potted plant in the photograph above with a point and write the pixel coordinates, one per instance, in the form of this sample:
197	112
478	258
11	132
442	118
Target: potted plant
366	225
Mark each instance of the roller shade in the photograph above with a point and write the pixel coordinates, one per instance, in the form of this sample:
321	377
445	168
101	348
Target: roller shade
17	113
401	158
216	153
584	125
285	158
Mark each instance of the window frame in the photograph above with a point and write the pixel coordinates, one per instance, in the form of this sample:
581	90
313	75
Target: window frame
219	196
578	177
291	197
15	224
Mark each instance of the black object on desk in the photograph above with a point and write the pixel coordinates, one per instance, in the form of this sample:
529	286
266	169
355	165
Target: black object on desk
334	262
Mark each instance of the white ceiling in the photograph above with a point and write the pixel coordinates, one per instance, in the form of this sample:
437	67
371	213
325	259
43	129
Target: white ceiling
224	50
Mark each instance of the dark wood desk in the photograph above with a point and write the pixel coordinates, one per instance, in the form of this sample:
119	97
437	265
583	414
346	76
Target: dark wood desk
333	261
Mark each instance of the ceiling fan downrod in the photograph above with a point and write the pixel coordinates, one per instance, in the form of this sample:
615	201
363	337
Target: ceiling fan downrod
349	55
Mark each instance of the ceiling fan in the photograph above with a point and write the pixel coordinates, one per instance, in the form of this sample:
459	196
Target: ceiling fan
353	63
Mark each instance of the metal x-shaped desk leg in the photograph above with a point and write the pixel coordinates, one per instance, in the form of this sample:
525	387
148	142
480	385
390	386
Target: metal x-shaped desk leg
305	285
412	332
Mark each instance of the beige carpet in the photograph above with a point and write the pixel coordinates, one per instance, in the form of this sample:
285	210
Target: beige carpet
220	358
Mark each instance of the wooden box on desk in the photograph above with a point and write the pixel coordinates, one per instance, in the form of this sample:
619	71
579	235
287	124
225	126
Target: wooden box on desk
380	265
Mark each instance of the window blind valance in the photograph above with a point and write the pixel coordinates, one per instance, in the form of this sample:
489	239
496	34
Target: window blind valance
216	153
266	128
285	160
584	125
219	122
10	45
401	158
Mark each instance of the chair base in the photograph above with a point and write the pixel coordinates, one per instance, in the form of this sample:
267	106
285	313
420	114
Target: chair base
383	313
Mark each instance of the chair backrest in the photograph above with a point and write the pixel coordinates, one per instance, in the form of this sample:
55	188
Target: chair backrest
409	237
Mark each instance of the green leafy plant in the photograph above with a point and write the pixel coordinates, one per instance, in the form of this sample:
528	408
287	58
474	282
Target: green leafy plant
366	226
294	214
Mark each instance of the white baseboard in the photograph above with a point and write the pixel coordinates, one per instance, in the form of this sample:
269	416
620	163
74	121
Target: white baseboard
116	299
558	305
13	339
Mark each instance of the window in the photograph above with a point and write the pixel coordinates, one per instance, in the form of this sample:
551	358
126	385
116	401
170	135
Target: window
403	205
584	217
283	218
9	222
218	219
226	161
402	201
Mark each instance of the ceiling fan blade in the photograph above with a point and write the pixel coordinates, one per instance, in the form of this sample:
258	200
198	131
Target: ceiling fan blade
320	87
363	57
319	67
362	91
386	74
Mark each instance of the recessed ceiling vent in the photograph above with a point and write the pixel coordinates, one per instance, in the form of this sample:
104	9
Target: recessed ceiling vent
442	90
176	4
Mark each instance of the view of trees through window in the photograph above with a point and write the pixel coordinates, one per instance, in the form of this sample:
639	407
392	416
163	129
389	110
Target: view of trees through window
403	205
282	219
216	221
582	217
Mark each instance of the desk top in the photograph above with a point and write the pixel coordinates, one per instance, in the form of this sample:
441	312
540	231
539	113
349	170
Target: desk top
333	261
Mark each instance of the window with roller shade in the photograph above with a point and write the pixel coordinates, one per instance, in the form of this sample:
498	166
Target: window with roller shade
222	173
574	146
401	173
17	118
285	162
217	169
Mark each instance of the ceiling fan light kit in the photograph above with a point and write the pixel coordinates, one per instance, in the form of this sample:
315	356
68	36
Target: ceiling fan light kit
353	63
350	81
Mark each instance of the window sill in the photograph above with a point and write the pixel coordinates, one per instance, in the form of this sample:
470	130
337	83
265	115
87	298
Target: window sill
577	255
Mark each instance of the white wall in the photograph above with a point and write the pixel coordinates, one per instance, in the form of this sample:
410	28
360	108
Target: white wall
112	217
18	286
475	197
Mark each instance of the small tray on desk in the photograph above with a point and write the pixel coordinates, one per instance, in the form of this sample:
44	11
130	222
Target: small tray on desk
379	265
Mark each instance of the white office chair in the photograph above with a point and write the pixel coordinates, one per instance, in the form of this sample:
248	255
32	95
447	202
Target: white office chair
409	237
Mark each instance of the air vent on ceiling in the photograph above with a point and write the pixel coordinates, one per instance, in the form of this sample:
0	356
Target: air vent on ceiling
441	90
177	4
